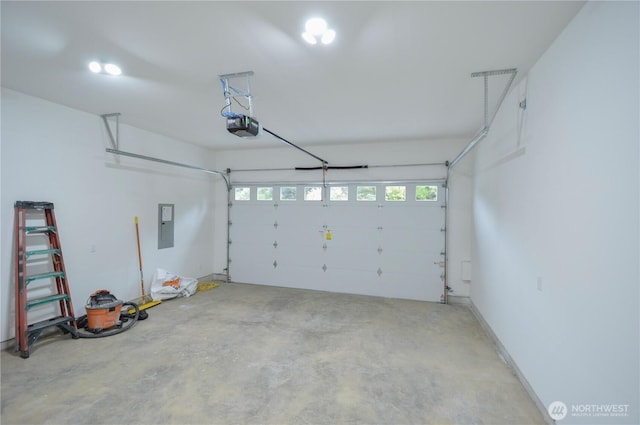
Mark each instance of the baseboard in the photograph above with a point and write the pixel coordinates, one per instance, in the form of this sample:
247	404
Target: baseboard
217	277
459	300
5	345
504	354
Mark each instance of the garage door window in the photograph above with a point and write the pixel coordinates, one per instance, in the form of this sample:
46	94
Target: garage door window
265	194
366	193
395	193
313	193
339	193
426	193
243	194
288	193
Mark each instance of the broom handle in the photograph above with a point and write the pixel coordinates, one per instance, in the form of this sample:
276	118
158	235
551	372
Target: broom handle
139	256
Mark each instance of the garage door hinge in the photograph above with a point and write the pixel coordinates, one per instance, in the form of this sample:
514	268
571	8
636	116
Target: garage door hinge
324	267
275	224
379	271
442	229
230	222
443	206
275	264
275	244
324	247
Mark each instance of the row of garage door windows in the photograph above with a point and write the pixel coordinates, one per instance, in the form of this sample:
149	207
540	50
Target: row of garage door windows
337	193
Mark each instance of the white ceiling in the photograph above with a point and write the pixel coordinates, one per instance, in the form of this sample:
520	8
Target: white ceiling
397	70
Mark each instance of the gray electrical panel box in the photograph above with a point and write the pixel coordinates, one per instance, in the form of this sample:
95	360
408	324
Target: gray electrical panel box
165	225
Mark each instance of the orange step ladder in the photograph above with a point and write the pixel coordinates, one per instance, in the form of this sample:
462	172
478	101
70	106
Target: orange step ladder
46	253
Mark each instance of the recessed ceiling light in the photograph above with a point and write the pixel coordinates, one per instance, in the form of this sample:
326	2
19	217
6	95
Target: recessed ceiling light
309	38
105	68
112	69
328	37
317	28
95	67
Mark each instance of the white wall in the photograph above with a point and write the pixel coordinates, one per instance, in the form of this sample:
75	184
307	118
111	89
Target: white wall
53	153
278	155
556	218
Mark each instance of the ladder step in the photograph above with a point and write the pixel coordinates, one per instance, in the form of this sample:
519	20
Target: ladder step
44	300
56	321
34	205
39	229
46	275
43	252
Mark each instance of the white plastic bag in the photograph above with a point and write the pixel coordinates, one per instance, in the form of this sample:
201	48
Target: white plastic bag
162	290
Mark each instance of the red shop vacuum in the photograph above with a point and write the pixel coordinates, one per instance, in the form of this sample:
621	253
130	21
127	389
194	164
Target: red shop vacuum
106	315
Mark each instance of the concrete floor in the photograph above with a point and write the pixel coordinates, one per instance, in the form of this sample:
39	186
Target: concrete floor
244	354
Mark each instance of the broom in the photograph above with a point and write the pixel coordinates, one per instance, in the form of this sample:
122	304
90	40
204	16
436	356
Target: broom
145	301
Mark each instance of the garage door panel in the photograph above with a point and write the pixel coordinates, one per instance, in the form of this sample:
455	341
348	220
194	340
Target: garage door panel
257	272
365	215
390	249
349	281
260	215
409	240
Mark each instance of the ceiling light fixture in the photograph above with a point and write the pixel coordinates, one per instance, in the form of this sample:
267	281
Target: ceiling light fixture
317	28
112	69
95	67
105	68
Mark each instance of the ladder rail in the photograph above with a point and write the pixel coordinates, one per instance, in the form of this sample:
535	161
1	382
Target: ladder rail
62	284
20	280
27	334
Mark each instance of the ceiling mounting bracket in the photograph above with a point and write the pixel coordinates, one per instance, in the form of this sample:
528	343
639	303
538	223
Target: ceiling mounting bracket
232	92
487	122
486	75
114	140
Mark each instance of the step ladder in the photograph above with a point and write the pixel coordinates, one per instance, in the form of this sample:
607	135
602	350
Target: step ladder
37	249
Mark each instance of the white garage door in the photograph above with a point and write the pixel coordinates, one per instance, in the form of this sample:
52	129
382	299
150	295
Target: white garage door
382	239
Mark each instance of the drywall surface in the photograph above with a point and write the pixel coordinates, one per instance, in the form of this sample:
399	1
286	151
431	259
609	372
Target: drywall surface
279	156
53	153
555	219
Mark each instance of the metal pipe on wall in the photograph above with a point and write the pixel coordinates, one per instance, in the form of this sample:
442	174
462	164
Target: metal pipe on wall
228	224
445	293
164	161
477	138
